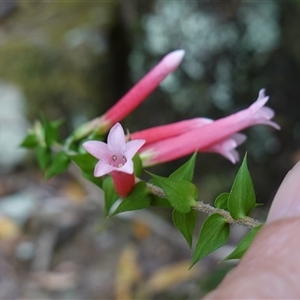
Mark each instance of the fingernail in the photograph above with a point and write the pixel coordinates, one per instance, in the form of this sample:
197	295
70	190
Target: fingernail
286	202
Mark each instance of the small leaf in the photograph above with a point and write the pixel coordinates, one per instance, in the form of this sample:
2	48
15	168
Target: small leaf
60	163
43	157
96	180
30	141
244	244
242	198
51	131
138	166
110	194
186	171
181	194
137	199
185	223
161	202
214	234
222	201
85	162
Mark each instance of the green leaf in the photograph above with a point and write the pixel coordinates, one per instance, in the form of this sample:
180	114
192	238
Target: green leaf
51	131
59	164
181	194
222	201
242	198
138	165
186	171
244	244
185	223
137	199
85	162
43	157
160	202
214	234
96	180
110	194
30	141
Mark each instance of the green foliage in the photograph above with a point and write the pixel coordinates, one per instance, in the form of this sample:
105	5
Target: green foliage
222	201
30	141
185	223
59	164
214	234
137	199
85	161
110	194
242	197
243	244
138	165
43	156
181	194
96	180
161	202
51	131
186	171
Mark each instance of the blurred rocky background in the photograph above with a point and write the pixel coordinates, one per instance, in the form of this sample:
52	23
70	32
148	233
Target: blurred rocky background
73	60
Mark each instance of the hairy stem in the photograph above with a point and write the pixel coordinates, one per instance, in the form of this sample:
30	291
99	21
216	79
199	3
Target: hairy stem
208	209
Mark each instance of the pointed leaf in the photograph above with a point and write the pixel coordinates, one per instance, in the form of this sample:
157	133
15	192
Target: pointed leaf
51	131
186	171
244	244
242	198
181	194
158	201
60	163
222	201
137	199
185	223
138	166
86	162
110	194
43	157
214	234
30	141
96	180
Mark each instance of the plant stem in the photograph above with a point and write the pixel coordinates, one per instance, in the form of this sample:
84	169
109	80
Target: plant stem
208	209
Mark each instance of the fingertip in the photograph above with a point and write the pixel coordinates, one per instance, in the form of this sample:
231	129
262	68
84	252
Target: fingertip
286	202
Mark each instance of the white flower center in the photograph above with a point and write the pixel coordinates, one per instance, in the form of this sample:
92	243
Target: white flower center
118	161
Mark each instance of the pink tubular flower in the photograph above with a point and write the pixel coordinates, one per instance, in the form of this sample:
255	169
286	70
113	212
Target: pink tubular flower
218	136
162	132
134	97
224	147
143	88
115	158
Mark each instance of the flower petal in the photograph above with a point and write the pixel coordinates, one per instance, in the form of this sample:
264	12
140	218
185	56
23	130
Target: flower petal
96	148
103	168
132	148
227	147
127	168
116	139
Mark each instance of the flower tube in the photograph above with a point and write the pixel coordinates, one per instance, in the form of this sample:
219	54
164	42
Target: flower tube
143	88
206	138
134	97
162	132
115	158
